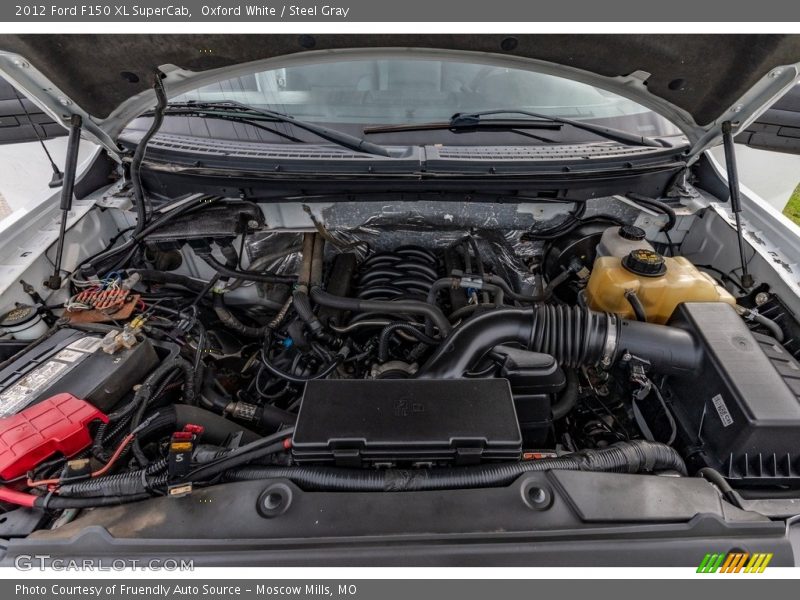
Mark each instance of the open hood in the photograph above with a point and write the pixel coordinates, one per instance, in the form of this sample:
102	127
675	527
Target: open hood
696	81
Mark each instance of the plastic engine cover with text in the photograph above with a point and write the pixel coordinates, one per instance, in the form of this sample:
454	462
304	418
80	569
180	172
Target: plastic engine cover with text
406	422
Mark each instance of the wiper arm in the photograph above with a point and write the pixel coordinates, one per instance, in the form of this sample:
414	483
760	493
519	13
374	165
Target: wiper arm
498	124
332	135
475	121
467	120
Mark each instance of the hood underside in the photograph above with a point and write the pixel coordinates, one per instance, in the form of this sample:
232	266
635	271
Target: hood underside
702	78
702	74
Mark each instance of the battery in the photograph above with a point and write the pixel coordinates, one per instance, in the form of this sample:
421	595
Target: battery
406	422
70	361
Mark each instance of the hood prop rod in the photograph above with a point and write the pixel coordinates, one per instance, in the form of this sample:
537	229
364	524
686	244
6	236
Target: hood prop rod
70	166
736	204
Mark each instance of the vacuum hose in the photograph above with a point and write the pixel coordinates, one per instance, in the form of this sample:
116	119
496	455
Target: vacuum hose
574	336
628	457
410	307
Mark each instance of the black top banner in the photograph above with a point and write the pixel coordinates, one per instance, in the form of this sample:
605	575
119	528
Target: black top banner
709	11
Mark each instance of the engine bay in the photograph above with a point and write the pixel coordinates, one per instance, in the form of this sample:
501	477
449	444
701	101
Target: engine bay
393	347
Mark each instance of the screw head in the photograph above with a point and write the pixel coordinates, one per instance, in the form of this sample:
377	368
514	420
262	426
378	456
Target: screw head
761	298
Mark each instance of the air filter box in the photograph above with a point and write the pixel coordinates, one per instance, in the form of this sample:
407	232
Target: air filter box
406	422
71	361
741	413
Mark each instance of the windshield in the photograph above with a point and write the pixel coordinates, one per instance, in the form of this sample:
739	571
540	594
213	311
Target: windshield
398	91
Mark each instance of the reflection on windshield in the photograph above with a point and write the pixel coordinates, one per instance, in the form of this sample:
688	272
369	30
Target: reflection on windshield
415	91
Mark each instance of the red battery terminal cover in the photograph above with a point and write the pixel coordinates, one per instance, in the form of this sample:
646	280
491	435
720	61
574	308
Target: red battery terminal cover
57	425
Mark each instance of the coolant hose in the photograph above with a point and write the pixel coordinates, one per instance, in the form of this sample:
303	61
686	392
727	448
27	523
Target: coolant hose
391	307
568	397
574	336
232	322
628	457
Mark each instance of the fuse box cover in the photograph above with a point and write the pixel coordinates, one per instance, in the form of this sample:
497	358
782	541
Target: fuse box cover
406	422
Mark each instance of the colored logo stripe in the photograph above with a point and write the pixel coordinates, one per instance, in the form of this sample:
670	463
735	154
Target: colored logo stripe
710	563
735	562
758	563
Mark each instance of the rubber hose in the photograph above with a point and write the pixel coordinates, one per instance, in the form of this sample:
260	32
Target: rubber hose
627	457
413	307
264	261
466	311
503	284
568	397
232	322
386	333
273	418
226	271
302	305
769	324
659	206
163	277
715	477
636	305
141	149
136	174
574	336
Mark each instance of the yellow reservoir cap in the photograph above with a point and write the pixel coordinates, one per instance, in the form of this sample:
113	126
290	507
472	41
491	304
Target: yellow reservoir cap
659	295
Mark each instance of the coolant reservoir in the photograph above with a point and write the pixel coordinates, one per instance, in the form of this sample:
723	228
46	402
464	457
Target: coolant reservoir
660	283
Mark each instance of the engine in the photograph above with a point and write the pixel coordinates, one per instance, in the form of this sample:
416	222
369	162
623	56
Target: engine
388	352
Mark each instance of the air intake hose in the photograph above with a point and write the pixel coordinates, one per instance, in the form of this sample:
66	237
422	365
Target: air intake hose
574	336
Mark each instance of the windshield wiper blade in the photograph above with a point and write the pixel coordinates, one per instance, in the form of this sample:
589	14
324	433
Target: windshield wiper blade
345	140
500	124
475	121
467	120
